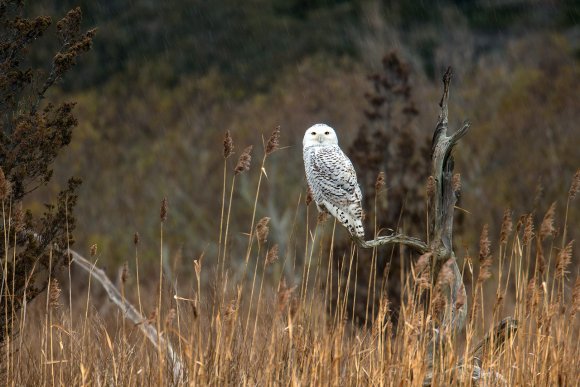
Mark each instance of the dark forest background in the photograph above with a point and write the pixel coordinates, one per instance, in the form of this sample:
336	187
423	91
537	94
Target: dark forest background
165	80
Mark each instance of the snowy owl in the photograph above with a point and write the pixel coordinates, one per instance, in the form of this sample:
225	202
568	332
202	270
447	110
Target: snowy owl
332	178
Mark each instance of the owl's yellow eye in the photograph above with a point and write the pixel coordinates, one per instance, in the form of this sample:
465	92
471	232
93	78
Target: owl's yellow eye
313	133
327	133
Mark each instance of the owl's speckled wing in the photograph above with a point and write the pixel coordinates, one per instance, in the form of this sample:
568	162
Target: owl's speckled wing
332	180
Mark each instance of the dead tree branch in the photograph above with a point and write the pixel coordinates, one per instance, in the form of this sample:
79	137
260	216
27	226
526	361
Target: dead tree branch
131	313
441	227
416	244
443	204
446	278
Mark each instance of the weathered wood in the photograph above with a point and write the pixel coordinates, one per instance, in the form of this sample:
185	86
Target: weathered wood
415	243
446	279
442	210
441	227
130	312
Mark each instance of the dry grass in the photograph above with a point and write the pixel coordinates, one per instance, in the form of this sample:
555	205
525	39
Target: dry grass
254	326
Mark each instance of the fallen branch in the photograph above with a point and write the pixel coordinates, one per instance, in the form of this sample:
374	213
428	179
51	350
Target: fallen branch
131	313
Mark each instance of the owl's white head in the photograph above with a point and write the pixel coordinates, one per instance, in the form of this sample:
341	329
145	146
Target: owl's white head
319	134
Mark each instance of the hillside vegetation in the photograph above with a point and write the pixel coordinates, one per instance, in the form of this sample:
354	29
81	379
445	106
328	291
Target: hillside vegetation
141	117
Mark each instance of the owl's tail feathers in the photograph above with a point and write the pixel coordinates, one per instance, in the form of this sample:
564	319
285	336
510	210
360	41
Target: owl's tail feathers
354	226
359	231
351	218
353	222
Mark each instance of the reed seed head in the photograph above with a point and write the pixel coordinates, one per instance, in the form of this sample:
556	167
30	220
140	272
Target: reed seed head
136	238
93	250
244	161
528	229
228	145
575	186
547	226
446	276
274	142
272	255
563	260
262	230
506	226
380	182
163	210
284	295
422	262
484	256
484	244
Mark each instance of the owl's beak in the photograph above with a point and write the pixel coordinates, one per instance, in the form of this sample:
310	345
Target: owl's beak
320	138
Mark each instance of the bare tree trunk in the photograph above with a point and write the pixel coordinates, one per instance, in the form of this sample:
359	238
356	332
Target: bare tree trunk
446	276
440	247
446	279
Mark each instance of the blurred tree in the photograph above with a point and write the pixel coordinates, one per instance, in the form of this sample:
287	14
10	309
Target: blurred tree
251	43
248	44
390	143
31	135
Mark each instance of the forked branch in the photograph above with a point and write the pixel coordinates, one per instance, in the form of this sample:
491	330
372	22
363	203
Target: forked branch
445	195
442	208
441	214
